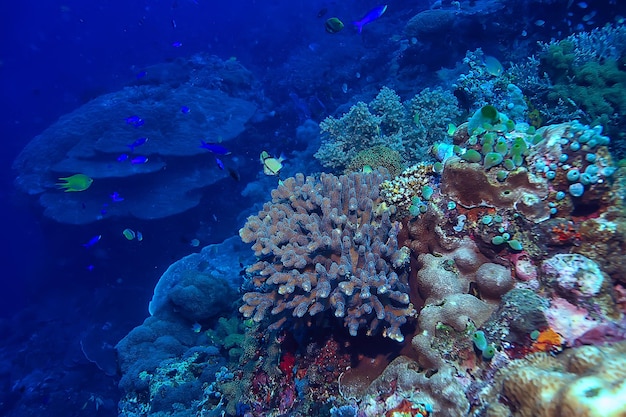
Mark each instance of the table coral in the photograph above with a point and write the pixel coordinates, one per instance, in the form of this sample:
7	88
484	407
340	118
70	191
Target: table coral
328	245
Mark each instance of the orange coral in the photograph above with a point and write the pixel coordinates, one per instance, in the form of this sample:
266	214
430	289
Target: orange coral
407	408
548	341
565	233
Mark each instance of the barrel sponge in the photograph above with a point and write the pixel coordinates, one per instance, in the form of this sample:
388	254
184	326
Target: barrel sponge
494	280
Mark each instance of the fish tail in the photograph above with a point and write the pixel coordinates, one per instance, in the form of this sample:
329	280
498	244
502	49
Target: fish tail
359	25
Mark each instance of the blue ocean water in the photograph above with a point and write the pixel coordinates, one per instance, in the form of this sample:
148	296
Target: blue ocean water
65	302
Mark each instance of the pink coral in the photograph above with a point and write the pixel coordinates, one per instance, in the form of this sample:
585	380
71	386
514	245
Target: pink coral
568	320
525	269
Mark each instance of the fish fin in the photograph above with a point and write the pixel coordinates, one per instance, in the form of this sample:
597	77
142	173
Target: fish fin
359	25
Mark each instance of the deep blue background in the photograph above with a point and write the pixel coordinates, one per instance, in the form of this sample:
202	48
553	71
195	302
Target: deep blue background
55	56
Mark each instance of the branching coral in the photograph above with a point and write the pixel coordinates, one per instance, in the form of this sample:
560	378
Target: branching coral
328	245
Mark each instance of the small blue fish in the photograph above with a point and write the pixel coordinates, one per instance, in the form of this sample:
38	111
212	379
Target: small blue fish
137	143
122	157
139	160
214	147
141	74
219	163
184	109
92	241
116	197
177	44
370	16
135	121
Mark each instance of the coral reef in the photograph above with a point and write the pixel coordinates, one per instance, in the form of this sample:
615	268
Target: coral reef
480	268
408	128
481	86
328	245
440	394
169	359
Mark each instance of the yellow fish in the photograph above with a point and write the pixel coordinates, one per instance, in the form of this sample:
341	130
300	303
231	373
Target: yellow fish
492	65
76	182
271	165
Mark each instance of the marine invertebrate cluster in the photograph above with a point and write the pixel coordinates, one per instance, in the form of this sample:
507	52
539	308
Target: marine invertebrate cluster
544	173
407	189
328	245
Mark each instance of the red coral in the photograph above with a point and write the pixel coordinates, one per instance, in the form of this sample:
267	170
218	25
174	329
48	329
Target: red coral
565	233
287	362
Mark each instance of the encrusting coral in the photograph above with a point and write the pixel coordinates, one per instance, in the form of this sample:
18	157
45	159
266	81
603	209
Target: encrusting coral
328	245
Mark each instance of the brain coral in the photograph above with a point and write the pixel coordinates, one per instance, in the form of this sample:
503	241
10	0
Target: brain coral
328	245
586	382
377	156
